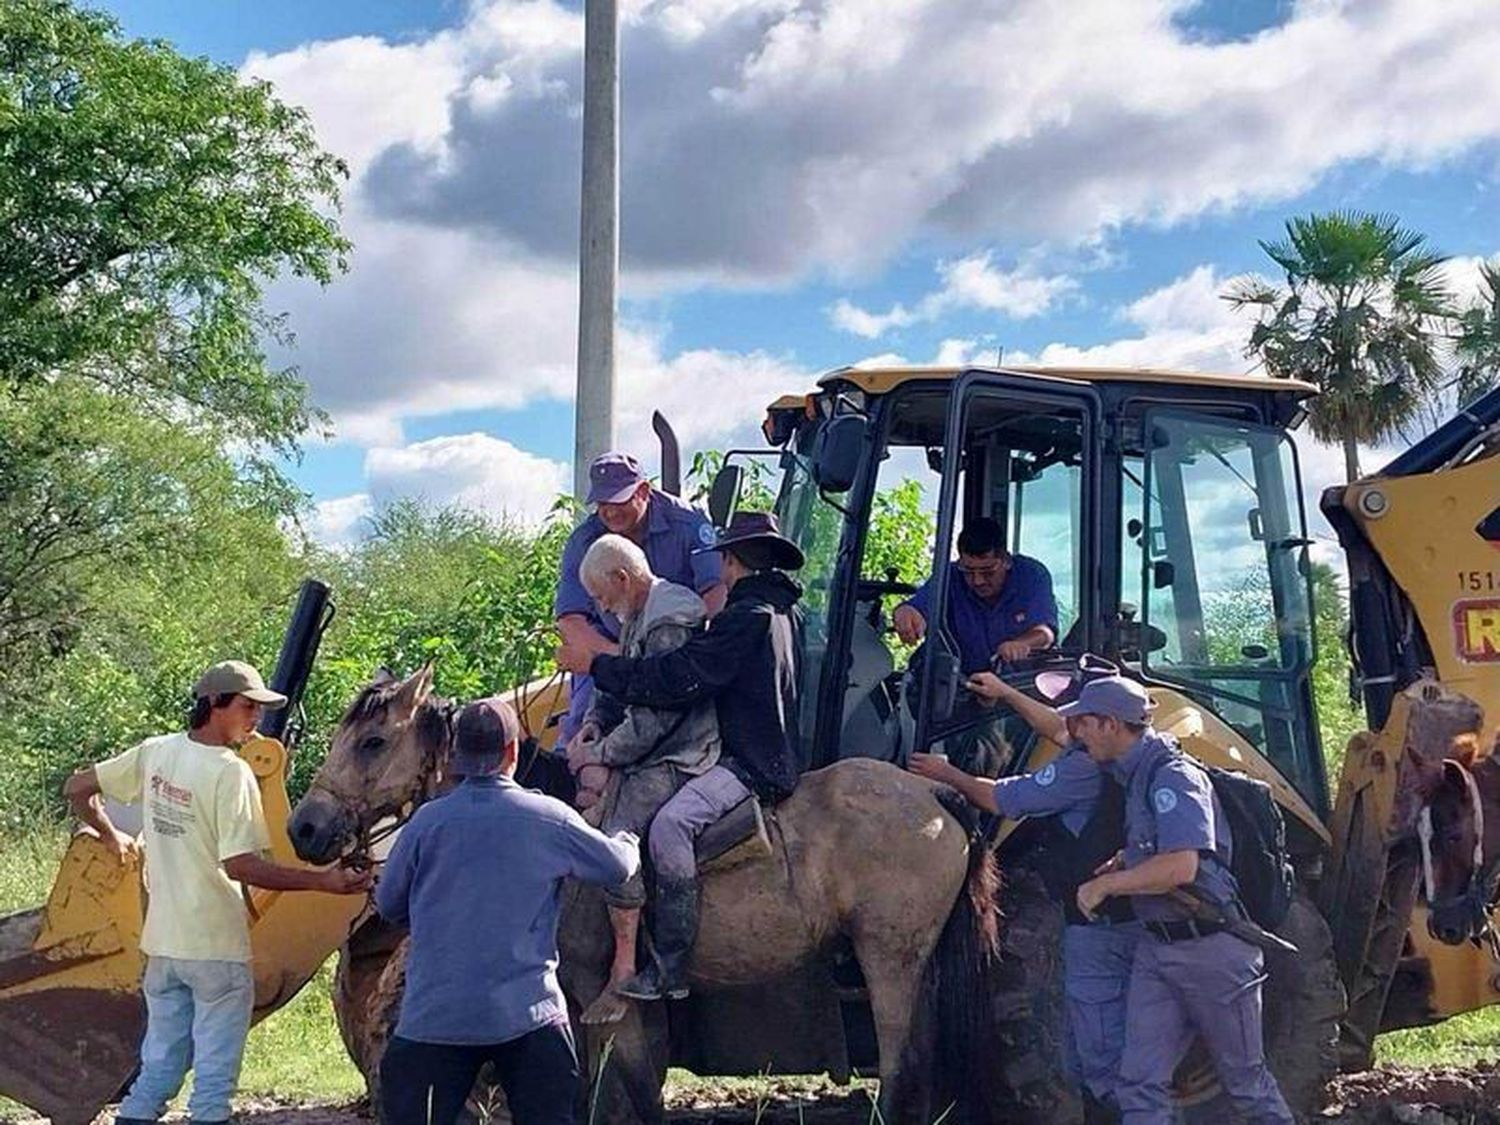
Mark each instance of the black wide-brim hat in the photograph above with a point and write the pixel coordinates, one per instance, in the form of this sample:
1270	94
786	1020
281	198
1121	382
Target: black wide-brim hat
759	528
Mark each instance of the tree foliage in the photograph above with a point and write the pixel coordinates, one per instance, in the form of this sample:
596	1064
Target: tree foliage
1477	339
145	199
1361	316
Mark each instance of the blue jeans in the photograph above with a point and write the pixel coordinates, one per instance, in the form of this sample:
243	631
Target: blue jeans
197	1015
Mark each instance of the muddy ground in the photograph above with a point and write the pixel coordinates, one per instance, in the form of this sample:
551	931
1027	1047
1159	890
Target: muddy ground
1391	1096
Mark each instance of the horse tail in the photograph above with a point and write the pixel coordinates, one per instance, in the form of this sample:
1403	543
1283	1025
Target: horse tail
957	978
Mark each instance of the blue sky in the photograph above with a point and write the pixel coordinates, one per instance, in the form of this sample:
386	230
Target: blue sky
810	183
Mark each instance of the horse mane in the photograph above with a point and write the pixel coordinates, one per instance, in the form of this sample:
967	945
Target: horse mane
372	699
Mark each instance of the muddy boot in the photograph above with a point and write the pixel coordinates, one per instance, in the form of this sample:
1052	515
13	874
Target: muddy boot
674	925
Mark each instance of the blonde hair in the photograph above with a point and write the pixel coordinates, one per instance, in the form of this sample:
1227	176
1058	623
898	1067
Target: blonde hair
608	554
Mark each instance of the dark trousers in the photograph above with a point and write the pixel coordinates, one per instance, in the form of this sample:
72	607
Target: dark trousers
428	1083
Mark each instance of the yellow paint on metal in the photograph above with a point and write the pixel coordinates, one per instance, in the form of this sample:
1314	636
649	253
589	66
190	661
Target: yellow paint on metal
1205	737
1422	528
1464	977
882	380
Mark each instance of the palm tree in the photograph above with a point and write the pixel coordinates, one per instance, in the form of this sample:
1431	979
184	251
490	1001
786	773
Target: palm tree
1361	317
1476	344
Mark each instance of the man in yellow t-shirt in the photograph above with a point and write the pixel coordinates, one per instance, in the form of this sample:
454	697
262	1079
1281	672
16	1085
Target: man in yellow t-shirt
203	832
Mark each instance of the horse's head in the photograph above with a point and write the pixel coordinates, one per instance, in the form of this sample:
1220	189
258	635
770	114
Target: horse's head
384	758
1459	830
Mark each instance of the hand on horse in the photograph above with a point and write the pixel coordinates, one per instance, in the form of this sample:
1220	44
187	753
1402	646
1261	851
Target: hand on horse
346	880
936	767
583	747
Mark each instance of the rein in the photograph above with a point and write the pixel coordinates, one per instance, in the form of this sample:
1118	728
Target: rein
1483	888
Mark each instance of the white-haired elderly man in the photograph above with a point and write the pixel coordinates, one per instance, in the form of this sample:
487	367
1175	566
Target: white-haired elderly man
655	752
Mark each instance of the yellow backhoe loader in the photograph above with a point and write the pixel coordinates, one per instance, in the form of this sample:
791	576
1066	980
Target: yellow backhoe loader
1168	508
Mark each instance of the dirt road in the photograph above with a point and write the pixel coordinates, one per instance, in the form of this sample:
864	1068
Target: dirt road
1469	1096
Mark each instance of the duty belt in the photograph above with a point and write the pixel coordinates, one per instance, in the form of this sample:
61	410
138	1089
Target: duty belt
1186	929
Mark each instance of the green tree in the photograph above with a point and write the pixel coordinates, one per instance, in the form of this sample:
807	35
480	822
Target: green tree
94	497
1476	342
145	200
1360	316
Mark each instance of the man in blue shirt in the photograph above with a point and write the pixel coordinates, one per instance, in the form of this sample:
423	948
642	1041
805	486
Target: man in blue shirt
477	876
1190	977
1082	828
669	530
1000	606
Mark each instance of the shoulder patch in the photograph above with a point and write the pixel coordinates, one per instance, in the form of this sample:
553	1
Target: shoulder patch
1046	775
1164	800
706	534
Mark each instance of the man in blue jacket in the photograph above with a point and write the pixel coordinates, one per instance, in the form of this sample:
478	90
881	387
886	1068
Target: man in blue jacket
748	663
477	876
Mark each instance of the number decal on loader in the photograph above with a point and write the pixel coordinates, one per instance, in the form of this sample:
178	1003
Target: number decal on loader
1476	630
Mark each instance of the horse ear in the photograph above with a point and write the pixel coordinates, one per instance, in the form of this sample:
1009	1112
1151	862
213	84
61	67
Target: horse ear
384	677
1453	774
414	689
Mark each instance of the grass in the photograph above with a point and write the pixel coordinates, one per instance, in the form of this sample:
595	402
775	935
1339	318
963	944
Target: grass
1473	1037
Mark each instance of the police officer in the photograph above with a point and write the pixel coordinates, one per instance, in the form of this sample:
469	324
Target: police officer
1190	977
1083	829
670	531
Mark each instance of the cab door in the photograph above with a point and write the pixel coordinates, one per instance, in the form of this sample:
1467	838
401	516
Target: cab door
1023	450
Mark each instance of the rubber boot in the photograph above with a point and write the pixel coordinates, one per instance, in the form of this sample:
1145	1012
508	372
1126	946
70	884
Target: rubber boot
674	925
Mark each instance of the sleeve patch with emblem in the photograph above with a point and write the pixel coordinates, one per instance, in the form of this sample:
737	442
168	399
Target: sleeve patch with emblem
1046	775
1164	800
706	534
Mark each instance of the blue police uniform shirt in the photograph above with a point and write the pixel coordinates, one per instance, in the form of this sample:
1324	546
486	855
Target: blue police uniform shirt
1025	602
674	530
1066	787
483	961
1170	807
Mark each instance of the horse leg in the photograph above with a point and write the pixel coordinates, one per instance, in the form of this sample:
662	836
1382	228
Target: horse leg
903	1028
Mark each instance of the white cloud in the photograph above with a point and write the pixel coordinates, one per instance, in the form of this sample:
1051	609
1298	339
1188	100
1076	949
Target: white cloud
338	522
470	470
766	138
968	283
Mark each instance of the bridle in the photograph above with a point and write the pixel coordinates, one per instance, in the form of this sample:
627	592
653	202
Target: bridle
1482	891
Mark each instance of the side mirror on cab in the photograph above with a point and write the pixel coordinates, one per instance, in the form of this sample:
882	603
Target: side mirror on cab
837	452
724	494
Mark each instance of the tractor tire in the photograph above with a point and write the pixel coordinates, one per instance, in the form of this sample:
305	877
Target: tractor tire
1026	995
1304	1002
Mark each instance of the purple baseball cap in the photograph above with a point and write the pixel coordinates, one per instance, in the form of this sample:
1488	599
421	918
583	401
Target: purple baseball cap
1112	697
613	477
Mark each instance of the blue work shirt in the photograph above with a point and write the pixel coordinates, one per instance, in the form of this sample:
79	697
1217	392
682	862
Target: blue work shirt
477	876
1067	787
1170	806
979	627
674	530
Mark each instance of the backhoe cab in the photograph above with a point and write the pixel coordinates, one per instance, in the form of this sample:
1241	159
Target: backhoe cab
1167	508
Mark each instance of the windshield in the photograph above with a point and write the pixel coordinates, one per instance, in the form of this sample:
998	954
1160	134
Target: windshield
815	525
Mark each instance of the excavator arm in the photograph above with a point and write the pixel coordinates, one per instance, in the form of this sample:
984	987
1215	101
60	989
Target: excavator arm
1422	540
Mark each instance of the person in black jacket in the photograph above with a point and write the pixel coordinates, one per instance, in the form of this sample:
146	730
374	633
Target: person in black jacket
747	663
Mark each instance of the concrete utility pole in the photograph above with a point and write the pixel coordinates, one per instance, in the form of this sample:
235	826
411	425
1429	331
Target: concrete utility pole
599	239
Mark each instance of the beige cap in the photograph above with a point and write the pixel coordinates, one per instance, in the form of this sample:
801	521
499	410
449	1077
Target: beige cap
235	677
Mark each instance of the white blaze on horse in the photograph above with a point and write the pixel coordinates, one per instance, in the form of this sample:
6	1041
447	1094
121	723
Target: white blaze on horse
1458	832
862	852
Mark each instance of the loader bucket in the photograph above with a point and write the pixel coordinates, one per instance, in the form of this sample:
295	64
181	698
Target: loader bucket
71	1014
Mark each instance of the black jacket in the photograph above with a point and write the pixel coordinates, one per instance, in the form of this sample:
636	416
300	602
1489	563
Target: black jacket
746	661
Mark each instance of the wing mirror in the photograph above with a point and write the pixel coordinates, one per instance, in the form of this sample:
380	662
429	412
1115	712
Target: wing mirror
724	494
838	451
1163	574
